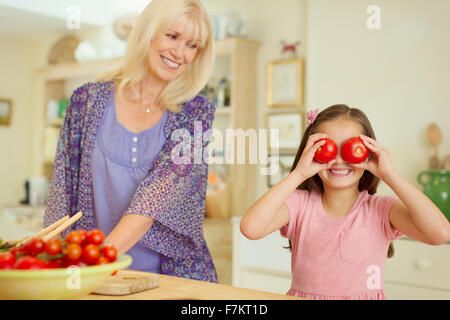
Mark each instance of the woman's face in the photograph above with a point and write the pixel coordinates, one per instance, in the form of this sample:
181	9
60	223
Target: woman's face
341	175
172	51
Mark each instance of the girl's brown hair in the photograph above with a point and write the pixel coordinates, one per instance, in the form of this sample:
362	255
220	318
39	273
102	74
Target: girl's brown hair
368	181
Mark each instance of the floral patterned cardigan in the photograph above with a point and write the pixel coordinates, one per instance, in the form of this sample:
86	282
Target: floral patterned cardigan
172	194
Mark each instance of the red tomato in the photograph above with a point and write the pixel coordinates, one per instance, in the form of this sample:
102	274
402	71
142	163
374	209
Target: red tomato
7	260
95	236
54	264
75	237
73	251
110	253
29	262
326	152
68	262
84	234
91	254
53	247
34	247
16	251
354	151
102	260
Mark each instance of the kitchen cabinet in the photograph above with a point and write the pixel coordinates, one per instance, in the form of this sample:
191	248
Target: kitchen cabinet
418	271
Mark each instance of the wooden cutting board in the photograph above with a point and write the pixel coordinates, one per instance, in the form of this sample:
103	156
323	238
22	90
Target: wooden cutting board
127	282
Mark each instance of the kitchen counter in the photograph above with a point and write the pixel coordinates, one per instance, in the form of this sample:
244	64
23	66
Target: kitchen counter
174	288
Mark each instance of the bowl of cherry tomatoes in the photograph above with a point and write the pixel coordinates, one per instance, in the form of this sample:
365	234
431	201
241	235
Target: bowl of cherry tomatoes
66	268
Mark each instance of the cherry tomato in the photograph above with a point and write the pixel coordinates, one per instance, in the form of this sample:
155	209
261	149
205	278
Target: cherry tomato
68	262
95	236
53	247
54	264
17	251
75	237
29	262
326	152
7	260
84	234
91	254
34	247
110	253
102	260
354	151
73	251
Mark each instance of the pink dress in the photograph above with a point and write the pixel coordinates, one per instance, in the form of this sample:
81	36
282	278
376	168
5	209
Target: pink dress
338	258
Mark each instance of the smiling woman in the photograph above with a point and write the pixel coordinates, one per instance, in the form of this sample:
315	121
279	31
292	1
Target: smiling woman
113	161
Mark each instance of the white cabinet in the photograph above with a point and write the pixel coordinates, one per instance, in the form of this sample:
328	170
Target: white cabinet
260	264
418	271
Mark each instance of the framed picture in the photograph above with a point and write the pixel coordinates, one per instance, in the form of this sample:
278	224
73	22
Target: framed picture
5	112
285	83
285	162
290	129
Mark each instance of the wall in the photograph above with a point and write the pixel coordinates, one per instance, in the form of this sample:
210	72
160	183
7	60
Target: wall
15	146
398	75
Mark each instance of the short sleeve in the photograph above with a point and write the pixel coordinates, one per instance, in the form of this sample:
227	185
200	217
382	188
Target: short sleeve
296	203
385	205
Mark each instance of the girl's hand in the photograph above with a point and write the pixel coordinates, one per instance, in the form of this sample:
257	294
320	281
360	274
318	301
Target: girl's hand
379	164
307	166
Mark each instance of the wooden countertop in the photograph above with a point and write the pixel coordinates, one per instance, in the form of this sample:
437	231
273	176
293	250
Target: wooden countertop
174	288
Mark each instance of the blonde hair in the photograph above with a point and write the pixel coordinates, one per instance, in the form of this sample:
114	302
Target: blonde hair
156	19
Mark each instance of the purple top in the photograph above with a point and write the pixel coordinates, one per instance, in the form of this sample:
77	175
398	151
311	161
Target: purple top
173	193
120	162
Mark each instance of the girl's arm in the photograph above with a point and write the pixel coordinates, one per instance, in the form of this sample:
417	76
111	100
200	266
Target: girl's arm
269	213
130	229
414	214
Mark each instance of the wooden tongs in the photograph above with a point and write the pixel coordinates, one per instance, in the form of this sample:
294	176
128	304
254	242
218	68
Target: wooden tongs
47	233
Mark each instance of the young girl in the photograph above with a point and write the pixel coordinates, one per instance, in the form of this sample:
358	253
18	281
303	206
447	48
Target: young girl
339	228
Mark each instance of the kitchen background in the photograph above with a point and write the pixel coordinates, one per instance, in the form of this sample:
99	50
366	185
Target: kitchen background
389	58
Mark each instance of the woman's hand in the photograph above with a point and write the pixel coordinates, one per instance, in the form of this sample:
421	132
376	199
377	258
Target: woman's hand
307	166
379	164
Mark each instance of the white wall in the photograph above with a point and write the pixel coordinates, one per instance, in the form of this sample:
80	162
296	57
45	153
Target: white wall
15	145
398	75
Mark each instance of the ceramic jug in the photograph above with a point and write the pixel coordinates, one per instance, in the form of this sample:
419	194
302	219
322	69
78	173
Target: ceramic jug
436	186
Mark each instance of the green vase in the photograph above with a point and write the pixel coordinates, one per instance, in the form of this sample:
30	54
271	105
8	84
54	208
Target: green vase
436	186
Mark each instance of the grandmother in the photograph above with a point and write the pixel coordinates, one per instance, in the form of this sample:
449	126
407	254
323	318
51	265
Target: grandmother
114	161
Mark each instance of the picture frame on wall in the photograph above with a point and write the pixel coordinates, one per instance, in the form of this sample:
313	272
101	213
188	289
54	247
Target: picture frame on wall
290	129
285	161
5	112
285	83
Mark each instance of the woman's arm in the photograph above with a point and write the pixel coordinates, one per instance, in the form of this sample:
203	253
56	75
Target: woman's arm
415	214
270	213
130	229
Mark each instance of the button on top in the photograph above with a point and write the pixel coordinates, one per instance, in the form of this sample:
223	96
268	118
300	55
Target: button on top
135	139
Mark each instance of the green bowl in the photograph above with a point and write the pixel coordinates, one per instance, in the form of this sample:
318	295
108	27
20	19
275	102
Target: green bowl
63	283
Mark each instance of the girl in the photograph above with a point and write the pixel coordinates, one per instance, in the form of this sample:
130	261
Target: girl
339	228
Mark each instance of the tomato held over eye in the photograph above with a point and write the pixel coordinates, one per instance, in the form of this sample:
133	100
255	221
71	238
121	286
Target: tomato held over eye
326	152
354	150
